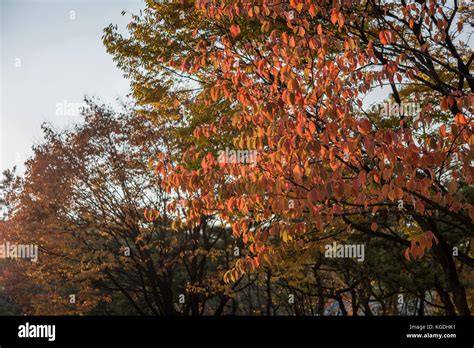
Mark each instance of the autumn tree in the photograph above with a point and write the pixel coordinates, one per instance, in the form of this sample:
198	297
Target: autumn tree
108	241
288	80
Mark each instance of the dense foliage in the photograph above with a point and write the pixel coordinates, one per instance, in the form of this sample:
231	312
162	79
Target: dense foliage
250	149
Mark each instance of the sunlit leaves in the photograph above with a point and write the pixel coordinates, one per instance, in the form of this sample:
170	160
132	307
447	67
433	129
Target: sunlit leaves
419	245
151	214
235	30
289	82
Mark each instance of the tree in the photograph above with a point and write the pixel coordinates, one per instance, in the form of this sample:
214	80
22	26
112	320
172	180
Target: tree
109	242
287	80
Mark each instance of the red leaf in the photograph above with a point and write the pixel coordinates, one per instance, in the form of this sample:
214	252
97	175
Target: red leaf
334	16
386	37
364	126
442	130
320	29
407	254
234	30
460	119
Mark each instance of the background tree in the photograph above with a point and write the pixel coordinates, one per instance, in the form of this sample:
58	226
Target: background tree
108	243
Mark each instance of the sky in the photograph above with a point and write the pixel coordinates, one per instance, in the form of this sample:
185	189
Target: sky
51	56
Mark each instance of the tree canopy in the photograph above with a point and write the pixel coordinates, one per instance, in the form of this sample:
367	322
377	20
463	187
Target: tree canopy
252	146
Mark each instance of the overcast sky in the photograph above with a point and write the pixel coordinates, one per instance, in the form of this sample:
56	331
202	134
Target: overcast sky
51	56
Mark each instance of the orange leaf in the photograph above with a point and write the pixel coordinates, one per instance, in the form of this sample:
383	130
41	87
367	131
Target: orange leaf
320	29
150	163
292	41
442	130
334	16
214	93
234	30
460	119
292	85
386	37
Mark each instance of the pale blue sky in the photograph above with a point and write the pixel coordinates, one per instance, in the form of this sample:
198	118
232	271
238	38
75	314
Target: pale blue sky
51	57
